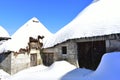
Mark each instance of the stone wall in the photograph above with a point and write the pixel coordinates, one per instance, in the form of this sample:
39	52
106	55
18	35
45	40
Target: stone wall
26	57
5	62
112	45
22	61
71	56
19	62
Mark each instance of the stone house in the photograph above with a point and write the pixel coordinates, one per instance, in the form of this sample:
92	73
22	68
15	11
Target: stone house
23	50
12	62
91	34
84	52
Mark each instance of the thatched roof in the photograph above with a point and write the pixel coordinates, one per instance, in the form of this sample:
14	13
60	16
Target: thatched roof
98	19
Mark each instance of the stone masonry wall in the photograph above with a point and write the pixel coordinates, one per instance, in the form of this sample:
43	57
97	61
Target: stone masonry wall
19	62
71	55
5	62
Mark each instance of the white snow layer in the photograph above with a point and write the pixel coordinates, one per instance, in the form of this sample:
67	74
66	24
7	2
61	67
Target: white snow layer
99	18
109	69
54	72
3	75
3	32
2	46
20	38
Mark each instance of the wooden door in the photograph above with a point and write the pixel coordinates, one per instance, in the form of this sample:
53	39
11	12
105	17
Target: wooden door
33	59
90	53
48	59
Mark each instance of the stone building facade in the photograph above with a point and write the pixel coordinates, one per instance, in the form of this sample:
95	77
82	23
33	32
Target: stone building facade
85	52
12	61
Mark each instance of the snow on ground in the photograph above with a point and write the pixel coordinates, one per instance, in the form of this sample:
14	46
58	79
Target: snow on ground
3	75
54	72
109	69
77	74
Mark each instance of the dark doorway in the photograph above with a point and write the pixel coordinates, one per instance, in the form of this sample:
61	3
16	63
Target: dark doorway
33	59
90	53
48	58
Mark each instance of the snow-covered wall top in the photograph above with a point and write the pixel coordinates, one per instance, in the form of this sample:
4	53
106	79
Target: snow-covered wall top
20	38
99	18
3	32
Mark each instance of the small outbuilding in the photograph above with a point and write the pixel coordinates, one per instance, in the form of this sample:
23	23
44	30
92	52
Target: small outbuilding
12	61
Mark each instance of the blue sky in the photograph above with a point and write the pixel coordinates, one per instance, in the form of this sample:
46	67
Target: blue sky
53	14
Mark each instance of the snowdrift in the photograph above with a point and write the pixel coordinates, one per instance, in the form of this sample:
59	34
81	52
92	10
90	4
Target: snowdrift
54	72
77	74
109	69
3	75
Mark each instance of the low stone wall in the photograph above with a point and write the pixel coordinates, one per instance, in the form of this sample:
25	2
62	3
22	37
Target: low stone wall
19	62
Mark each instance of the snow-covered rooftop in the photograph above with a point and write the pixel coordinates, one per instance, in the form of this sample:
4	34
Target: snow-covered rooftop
20	38
3	32
99	18
3	35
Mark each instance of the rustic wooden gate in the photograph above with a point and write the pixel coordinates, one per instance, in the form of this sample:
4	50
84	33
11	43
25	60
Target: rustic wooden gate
48	58
90	53
33	59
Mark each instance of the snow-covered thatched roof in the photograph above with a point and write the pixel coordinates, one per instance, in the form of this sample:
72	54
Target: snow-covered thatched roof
20	38
4	35
99	18
3	32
